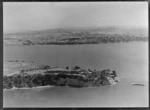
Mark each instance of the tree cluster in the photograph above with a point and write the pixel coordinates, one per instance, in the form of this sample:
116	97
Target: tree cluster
75	78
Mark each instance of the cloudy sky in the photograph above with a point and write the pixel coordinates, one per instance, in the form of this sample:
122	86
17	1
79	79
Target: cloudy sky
26	16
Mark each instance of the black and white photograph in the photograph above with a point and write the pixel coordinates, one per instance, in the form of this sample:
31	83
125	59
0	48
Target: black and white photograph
75	54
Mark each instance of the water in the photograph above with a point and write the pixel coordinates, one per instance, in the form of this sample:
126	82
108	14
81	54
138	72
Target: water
130	60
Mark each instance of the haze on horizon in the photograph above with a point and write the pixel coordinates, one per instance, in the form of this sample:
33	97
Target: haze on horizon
28	16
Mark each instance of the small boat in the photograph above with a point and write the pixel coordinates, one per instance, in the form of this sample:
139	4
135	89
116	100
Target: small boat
134	84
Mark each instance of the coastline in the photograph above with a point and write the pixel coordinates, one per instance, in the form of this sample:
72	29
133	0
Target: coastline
5	44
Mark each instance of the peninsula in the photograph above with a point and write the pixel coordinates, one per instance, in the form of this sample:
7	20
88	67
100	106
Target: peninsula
20	74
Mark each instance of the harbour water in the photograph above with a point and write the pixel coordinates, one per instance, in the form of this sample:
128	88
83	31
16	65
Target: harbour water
129	60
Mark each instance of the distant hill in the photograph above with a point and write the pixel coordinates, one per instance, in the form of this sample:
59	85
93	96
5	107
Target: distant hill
77	36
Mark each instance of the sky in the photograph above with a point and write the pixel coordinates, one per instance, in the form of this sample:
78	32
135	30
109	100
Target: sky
27	16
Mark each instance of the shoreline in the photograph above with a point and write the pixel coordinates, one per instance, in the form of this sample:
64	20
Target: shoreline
65	44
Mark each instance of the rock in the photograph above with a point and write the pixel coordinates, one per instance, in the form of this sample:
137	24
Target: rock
109	77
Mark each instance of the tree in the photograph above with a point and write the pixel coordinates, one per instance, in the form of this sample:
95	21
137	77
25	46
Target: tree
114	73
77	68
67	67
22	71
